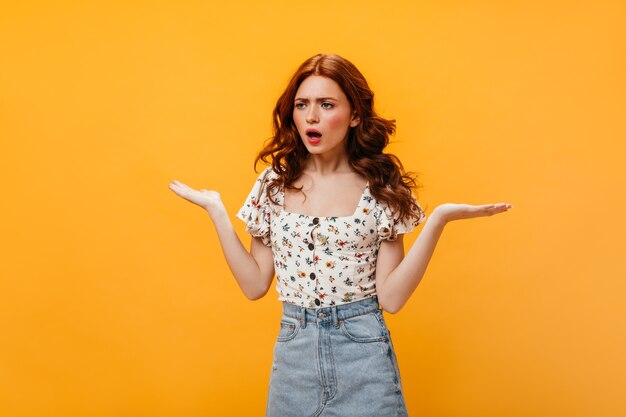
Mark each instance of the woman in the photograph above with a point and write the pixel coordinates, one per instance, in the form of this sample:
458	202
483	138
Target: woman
327	218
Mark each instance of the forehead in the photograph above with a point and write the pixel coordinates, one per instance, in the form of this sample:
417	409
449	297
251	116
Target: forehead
319	86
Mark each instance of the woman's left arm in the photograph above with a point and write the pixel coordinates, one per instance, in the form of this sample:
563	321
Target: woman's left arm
397	275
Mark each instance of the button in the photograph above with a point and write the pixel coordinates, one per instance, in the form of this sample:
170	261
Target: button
311	246
317	302
312	275
316	220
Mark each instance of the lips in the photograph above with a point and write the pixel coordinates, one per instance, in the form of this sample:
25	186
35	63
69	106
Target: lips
314	136
312	133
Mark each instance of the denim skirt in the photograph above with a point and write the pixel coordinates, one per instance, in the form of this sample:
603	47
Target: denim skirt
335	361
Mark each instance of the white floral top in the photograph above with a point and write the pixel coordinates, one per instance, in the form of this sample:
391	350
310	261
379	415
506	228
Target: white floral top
322	261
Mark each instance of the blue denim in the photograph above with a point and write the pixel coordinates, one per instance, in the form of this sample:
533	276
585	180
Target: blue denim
335	361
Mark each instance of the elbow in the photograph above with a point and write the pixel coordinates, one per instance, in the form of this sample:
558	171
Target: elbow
387	304
389	307
252	296
390	310
256	294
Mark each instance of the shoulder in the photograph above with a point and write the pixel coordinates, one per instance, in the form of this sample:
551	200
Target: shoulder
268	173
262	187
265	176
389	214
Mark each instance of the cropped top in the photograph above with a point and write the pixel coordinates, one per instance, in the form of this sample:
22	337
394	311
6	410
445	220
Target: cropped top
322	261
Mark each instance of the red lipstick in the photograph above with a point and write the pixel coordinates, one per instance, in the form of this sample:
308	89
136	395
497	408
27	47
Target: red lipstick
315	136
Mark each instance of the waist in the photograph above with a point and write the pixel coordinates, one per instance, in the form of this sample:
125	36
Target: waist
336	312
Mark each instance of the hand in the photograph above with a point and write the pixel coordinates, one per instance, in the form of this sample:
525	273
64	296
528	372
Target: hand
450	212
206	199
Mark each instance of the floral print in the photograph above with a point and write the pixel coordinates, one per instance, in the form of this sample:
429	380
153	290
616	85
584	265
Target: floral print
322	261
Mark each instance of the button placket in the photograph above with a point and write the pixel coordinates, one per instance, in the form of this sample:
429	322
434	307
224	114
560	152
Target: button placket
315	222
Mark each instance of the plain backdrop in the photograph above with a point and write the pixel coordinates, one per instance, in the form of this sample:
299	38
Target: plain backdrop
115	299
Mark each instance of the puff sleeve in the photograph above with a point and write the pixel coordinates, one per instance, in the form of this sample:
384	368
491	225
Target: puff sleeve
389	224
255	211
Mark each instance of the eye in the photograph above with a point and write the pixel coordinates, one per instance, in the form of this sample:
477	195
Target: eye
329	104
297	106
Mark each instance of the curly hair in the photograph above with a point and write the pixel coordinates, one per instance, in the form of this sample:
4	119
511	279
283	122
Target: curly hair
388	181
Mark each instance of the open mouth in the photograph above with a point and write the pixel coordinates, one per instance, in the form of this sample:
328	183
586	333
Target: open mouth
313	134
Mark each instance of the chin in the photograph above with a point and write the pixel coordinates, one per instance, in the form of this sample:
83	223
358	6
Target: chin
323	148
313	151
320	147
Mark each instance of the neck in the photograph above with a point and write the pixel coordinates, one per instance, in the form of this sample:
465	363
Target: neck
327	164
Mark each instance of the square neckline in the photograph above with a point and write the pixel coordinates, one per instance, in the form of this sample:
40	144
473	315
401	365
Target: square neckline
354	214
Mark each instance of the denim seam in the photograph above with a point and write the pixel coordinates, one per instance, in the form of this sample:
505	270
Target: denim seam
320	370
396	370
333	370
320	366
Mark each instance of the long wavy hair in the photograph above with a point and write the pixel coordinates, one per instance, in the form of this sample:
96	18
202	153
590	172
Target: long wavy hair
366	141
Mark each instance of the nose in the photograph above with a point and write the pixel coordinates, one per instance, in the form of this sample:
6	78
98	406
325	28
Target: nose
311	115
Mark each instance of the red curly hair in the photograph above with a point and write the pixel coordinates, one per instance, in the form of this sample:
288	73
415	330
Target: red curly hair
388	181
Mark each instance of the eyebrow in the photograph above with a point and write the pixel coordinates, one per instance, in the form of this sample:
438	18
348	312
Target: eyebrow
319	99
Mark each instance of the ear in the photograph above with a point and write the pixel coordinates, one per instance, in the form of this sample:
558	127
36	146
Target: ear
355	120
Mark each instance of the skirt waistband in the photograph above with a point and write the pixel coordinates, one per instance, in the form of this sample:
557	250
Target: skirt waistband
334	313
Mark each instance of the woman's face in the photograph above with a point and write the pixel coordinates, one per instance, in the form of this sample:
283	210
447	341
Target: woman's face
321	106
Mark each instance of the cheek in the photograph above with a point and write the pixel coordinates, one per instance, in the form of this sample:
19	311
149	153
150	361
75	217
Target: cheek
298	119
338	121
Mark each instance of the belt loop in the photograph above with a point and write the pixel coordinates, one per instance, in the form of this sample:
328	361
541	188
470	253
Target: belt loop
303	318
333	310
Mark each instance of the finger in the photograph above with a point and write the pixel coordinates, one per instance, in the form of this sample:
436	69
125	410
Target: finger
175	190
487	207
497	206
178	183
180	189
185	187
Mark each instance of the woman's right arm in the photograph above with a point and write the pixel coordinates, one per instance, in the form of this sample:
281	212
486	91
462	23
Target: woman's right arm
253	270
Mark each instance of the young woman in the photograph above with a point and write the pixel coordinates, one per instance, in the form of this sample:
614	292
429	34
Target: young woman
327	218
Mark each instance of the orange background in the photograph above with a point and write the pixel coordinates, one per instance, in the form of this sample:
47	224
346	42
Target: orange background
115	299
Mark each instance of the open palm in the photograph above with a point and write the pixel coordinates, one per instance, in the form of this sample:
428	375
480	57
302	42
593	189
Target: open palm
203	198
451	211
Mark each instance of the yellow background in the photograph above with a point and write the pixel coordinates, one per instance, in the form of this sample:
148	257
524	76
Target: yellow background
115	299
